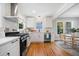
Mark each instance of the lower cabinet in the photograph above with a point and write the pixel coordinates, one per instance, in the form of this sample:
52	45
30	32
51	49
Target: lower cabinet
37	37
10	49
28	41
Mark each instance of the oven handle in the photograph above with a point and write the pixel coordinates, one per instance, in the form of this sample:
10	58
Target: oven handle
23	40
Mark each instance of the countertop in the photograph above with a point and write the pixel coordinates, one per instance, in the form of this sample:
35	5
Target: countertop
5	40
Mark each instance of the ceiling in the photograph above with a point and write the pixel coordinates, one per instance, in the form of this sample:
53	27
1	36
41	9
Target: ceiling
72	12
38	9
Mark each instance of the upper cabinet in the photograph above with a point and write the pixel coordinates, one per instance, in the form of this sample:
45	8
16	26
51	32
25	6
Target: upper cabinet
48	22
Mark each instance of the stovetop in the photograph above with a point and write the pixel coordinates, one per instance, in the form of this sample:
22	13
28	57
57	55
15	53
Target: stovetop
15	34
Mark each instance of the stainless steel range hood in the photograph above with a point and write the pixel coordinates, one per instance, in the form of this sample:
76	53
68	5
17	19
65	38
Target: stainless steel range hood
13	9
13	16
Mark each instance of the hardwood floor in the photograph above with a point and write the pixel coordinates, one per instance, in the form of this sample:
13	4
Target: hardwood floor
45	49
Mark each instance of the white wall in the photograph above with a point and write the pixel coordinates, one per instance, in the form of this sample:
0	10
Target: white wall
4	11
0	17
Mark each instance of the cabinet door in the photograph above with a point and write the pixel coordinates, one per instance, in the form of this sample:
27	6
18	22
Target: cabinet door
4	48
15	51
37	37
41	37
10	49
28	41
34	37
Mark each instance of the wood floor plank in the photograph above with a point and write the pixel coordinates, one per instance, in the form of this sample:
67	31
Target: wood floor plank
46	49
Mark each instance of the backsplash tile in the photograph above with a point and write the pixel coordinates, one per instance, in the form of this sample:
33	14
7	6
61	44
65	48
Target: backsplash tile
2	33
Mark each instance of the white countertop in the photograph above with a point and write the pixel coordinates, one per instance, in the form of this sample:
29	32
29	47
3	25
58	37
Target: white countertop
68	34
7	39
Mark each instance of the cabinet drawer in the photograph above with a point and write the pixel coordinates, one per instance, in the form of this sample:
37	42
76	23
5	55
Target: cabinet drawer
9	45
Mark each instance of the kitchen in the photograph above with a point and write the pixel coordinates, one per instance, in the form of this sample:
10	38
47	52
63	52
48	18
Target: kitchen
23	28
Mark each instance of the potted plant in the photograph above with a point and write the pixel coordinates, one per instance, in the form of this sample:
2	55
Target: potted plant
73	30
77	30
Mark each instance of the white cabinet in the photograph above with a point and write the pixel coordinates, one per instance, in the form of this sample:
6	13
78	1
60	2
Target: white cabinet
28	41
10	49
37	37
49	22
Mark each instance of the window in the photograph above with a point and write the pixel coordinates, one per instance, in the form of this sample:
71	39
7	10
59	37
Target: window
68	27
59	27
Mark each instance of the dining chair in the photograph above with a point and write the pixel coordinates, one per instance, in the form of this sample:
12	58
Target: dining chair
68	40
62	37
76	40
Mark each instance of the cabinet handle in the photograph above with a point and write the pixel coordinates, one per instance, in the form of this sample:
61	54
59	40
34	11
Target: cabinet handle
8	54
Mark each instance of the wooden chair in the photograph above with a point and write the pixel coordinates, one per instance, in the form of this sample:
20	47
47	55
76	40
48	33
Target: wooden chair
75	40
62	37
68	40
